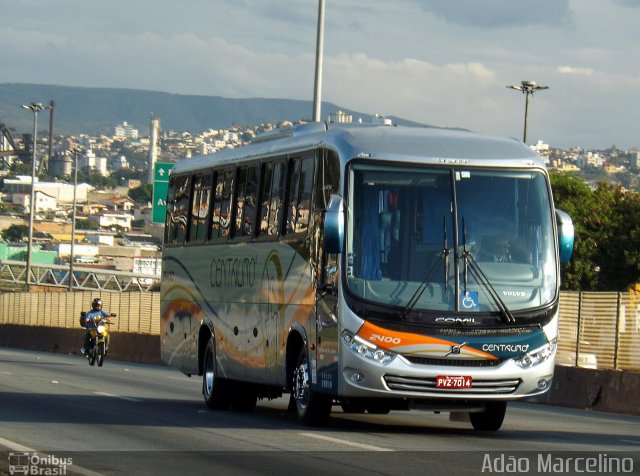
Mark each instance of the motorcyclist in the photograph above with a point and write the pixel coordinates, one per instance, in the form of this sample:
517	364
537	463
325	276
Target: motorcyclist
90	319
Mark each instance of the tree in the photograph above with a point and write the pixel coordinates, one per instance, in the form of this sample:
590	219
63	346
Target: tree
15	233
606	255
142	194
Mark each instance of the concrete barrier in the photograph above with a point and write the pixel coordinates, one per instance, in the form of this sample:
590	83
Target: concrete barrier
142	348
601	390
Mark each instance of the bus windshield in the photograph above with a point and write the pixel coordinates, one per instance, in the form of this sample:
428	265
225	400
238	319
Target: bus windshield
457	240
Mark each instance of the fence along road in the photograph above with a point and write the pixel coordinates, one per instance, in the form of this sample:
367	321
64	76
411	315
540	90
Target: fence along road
597	330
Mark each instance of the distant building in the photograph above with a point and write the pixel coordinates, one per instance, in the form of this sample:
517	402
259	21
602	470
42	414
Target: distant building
43	202
112	220
91	161
340	117
125	131
62	192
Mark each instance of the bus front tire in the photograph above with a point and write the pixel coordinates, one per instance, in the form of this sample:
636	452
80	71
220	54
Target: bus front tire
491	418
312	408
214	389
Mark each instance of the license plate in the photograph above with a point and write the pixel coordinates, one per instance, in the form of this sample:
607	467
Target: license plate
453	381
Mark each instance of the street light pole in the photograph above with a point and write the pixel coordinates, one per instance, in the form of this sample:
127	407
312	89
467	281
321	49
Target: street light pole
73	214
527	88
317	88
35	107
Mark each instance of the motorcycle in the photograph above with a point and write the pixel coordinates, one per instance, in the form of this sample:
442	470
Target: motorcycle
98	339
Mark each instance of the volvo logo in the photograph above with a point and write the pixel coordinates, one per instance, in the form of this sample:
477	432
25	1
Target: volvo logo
455	349
514	293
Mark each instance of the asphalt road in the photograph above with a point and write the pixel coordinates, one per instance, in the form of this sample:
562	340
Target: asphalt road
127	418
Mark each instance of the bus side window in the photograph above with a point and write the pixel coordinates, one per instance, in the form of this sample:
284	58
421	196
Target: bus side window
214	228
221	209
299	198
171	201
178	210
277	196
250	201
199	207
267	179
271	198
225	208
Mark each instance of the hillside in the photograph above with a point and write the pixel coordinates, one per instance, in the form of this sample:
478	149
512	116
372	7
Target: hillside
96	111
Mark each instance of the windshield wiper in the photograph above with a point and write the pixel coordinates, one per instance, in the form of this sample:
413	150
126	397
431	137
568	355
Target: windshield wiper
443	256
482	278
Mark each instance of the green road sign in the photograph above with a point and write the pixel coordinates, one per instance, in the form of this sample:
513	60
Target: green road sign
160	187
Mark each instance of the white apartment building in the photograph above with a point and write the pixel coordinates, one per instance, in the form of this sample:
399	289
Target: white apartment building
62	192
109	220
90	160
125	131
43	202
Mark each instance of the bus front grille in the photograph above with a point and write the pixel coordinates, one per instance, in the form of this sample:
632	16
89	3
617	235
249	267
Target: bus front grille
452	362
401	383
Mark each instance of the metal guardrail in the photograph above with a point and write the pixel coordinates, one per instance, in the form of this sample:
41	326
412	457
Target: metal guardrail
12	277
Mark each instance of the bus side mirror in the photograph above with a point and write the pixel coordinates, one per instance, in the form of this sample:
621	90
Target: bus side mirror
334	225
565	235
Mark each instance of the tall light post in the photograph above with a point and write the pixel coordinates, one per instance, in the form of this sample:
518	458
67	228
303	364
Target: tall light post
317	87
35	107
527	88
73	215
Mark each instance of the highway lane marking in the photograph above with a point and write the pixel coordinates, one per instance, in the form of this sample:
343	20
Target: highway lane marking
631	441
128	399
13	446
345	442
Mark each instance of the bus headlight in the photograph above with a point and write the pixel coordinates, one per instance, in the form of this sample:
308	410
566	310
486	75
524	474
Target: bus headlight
538	355
366	349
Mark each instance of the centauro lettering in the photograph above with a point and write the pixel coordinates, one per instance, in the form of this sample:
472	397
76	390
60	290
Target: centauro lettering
505	347
233	272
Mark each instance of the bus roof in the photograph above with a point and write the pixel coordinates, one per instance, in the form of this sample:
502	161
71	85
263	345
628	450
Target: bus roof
417	144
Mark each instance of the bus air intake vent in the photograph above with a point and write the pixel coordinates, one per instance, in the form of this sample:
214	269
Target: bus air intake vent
452	362
401	383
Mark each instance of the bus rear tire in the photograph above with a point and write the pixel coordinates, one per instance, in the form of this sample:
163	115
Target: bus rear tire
491	419
214	389
312	408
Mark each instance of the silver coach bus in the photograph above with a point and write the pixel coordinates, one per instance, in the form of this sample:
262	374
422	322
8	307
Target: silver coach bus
373	267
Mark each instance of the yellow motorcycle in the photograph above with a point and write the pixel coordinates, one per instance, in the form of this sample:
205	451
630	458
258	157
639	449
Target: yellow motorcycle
98	339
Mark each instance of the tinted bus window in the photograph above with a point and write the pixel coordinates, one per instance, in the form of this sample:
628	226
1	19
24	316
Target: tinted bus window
299	199
272	192
265	206
246	197
179	211
221	210
200	199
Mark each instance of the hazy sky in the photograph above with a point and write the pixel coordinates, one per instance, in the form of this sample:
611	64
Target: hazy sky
440	62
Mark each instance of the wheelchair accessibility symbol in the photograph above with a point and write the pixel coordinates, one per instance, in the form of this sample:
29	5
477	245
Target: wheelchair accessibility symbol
469	301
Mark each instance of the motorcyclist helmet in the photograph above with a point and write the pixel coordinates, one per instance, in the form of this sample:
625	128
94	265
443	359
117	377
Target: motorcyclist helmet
96	305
